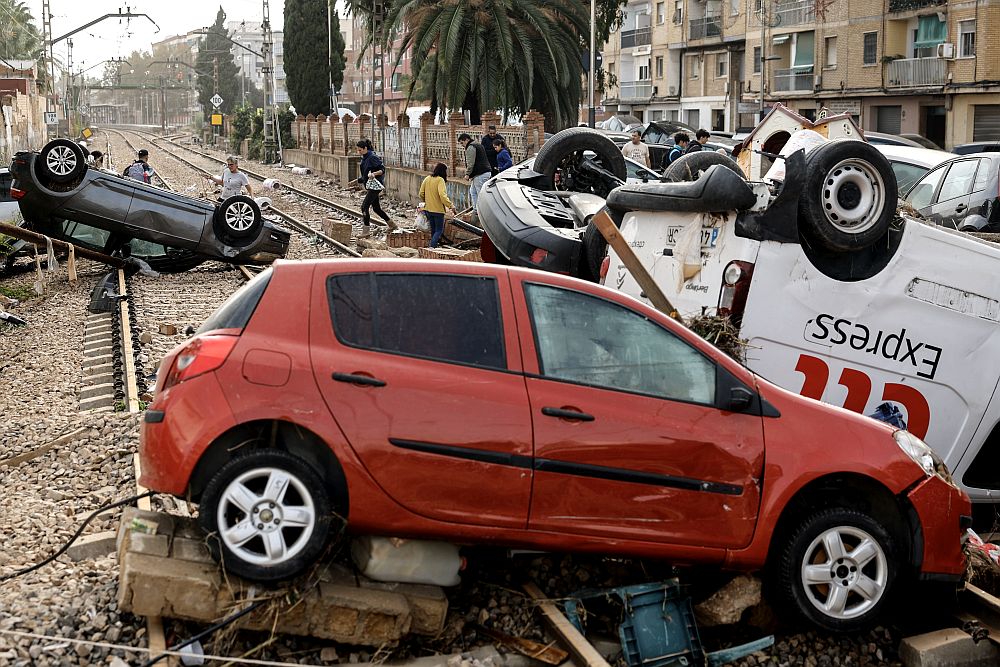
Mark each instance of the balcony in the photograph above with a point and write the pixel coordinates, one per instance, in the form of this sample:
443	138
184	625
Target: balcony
797	79
710	26
637	37
908	5
796	13
916	72
635	91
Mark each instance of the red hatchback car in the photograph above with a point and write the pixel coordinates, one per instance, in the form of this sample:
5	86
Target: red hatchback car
477	403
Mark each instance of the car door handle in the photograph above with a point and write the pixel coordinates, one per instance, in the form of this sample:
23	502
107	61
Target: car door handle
567	414
355	378
960	208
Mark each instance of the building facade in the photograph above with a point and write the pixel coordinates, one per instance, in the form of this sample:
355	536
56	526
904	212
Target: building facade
930	67
250	35
390	82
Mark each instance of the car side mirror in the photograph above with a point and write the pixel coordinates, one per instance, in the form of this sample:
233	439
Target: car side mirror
740	398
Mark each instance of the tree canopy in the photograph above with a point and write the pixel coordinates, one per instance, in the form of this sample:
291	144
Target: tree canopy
307	58
217	44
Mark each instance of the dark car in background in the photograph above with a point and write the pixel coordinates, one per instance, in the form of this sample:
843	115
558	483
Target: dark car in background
977	147
963	193
60	196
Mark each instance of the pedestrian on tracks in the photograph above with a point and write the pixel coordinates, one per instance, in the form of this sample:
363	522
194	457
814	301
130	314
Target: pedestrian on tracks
487	141
477	166
372	179
98	160
681	140
701	136
504	160
434	194
140	169
636	150
232	179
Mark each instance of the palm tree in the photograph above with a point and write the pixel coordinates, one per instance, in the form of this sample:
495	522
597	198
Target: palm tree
19	36
495	54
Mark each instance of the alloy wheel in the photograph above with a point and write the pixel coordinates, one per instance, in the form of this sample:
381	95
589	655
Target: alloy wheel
845	572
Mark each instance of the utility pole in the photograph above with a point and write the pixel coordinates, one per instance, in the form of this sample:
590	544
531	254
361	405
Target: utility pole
378	33
329	54
66	101
267	70
163	105
50	101
215	83
592	57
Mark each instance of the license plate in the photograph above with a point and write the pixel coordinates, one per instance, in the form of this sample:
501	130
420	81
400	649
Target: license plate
709	236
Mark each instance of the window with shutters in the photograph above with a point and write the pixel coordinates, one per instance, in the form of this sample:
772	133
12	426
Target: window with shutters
967	39
870	48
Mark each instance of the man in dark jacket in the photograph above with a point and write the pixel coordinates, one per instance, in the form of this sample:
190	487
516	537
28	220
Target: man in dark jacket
487	142
681	142
477	165
701	136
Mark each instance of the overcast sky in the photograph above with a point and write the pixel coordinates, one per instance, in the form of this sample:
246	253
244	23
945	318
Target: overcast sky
119	37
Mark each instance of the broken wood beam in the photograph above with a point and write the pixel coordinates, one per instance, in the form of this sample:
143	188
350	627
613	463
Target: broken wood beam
583	651
47	447
33	237
547	653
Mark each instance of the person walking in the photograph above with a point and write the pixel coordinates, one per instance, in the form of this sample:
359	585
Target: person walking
98	160
636	150
140	169
232	179
504	160
487	142
681	140
372	179
477	166
434	194
701	136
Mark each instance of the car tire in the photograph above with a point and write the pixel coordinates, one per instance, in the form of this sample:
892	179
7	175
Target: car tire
272	548
839	592
558	153
691	166
595	249
848	201
61	161
238	219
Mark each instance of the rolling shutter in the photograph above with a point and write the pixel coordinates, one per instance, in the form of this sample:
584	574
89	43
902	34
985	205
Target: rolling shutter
888	119
986	123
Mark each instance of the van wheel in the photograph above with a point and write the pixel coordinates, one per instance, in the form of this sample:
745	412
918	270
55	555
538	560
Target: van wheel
849	198
691	166
61	161
837	569
563	156
267	514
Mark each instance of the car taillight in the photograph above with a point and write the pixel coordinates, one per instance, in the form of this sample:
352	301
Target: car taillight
539	255
735	288
605	267
201	355
16	193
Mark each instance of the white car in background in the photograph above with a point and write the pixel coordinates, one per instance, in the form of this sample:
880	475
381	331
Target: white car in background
9	211
909	163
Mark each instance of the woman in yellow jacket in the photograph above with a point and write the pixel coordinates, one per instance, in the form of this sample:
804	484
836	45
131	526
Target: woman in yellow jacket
434	194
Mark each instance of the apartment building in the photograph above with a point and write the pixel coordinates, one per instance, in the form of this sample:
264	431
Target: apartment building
930	67
356	93
250	34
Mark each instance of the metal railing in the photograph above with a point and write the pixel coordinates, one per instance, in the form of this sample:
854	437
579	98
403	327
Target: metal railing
709	26
635	90
797	78
907	5
796	13
912	72
637	37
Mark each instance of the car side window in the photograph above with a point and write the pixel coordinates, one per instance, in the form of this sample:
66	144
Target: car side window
428	315
958	182
983	175
906	174
923	192
588	340
635	171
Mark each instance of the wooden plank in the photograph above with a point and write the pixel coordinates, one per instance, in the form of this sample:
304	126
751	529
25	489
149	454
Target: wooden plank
131	385
547	653
28	235
157	641
42	449
610	232
583	651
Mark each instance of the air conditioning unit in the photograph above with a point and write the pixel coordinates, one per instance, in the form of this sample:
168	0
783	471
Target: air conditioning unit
818	81
946	50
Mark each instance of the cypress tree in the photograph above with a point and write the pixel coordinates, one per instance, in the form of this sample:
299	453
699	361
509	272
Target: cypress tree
307	68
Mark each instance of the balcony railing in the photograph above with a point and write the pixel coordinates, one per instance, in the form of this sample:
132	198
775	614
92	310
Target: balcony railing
915	72
907	5
635	91
796	13
790	80
710	26
637	37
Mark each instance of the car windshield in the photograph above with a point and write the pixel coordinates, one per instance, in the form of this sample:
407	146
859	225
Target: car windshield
907	174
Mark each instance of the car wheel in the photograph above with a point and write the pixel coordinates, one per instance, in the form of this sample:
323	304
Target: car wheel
239	218
849	198
691	166
268	515
595	249
837	569
561	157
61	161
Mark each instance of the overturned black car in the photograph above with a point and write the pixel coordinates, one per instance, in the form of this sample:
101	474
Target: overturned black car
61	197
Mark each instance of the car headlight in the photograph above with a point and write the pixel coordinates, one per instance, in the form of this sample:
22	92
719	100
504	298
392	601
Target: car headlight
922	455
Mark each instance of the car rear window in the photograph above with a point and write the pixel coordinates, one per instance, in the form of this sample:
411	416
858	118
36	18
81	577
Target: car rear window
236	312
433	316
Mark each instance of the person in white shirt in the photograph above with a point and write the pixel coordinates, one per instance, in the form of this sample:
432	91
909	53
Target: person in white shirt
636	150
232	180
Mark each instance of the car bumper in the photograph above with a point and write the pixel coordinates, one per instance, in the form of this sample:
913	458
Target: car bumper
177	428
943	512
518	232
